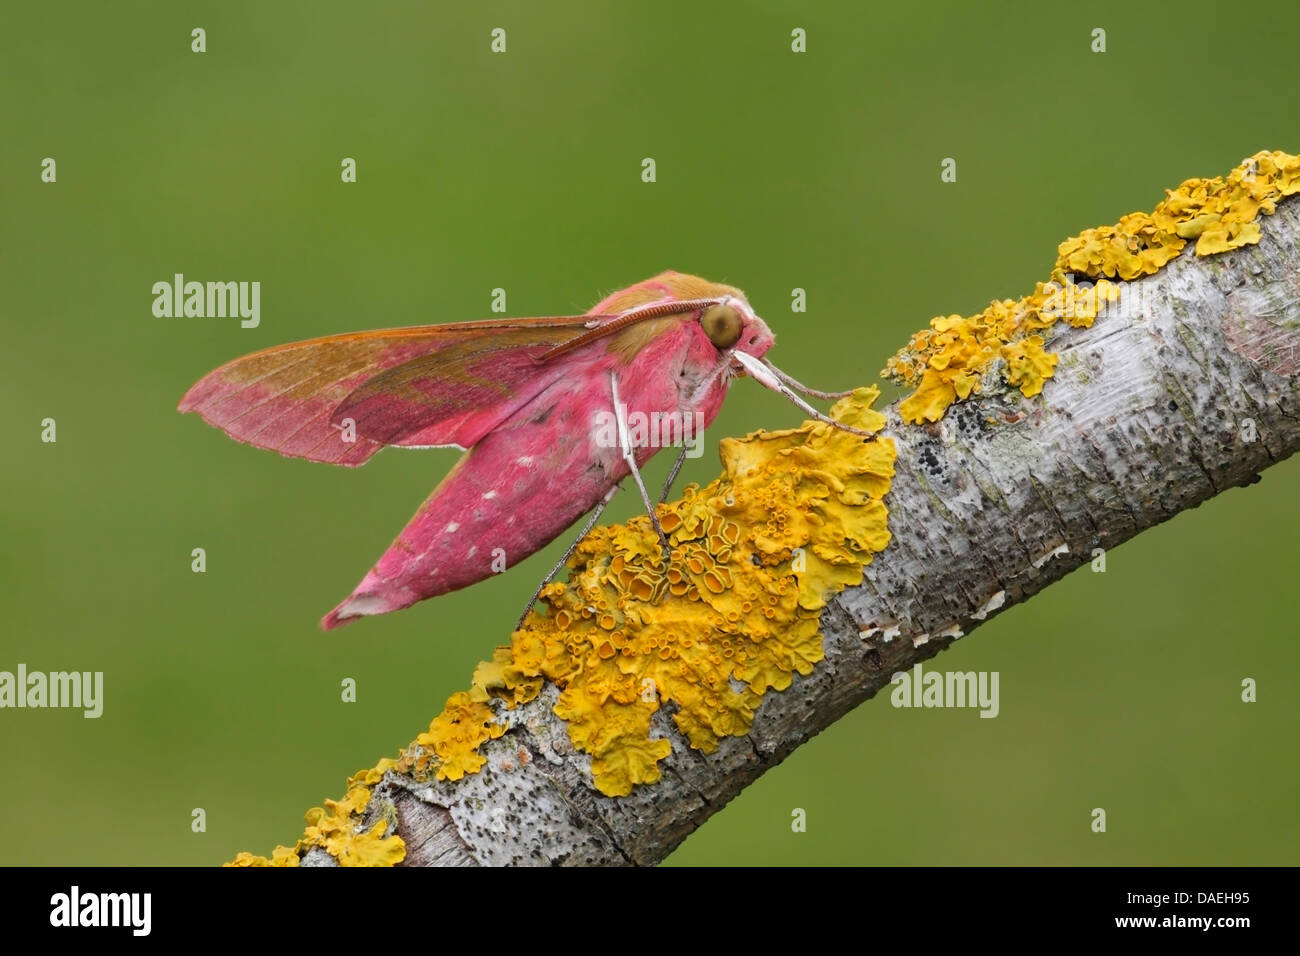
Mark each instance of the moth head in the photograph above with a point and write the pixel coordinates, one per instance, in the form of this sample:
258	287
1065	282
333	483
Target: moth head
722	324
731	324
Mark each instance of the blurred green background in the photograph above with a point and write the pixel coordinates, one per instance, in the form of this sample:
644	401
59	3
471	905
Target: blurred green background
522	170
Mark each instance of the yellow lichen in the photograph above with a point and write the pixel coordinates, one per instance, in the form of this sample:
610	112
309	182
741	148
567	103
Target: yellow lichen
366	848
1028	366
280	856
456	734
337	828
948	361
795	517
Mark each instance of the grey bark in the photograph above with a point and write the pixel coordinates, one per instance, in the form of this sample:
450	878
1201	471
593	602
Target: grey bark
1149	413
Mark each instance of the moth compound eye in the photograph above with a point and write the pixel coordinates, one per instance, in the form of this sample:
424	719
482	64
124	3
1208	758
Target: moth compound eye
721	323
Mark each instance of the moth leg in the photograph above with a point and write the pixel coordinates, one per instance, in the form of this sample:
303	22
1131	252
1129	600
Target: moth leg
799	386
591	523
766	375
625	448
672	475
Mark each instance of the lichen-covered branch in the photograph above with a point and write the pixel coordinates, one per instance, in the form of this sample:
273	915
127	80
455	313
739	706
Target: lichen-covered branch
641	698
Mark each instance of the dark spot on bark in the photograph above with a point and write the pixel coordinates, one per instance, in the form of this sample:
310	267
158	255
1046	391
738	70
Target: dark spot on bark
543	415
872	660
971	422
930	461
1173	406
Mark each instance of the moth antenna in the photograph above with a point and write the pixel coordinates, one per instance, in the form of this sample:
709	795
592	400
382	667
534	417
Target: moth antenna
640	314
765	374
800	387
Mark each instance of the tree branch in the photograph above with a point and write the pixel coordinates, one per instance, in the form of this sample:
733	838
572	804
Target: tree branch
1185	388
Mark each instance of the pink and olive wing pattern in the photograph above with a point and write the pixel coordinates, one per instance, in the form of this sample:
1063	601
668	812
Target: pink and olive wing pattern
459	393
428	385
